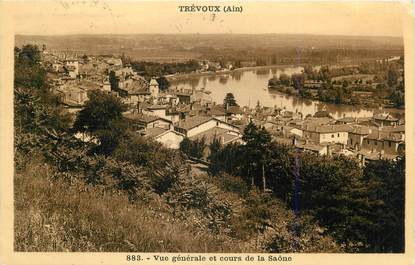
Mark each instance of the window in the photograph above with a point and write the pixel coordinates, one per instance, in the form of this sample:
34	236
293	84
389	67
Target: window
338	135
390	144
332	136
376	143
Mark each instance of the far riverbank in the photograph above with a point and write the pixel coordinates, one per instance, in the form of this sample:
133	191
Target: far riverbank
182	77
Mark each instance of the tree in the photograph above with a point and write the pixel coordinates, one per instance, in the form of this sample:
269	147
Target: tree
163	83
284	79
392	77
193	148
298	81
113	81
257	149
332	190
385	181
28	72
30	53
229	100
102	117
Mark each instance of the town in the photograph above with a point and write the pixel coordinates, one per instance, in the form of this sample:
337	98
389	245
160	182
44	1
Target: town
169	115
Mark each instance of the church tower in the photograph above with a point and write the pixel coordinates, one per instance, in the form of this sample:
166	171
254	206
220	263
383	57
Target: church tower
154	88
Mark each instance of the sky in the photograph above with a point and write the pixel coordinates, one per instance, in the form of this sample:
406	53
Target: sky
110	17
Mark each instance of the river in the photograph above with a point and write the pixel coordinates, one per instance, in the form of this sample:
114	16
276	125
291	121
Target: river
250	86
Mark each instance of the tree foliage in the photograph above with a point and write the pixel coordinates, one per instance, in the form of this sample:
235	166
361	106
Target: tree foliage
229	100
102	118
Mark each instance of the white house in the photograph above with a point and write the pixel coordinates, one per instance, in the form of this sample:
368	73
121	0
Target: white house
327	133
169	138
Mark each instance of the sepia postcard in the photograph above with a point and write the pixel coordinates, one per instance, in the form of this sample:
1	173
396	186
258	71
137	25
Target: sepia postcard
207	132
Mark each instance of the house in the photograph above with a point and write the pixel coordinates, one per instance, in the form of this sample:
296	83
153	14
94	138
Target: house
318	149
73	96
389	143
234	113
168	137
224	135
73	65
326	133
57	66
216	111
156	110
70	71
134	96
357	135
385	119
346	120
184	95
289	131
142	121
201	96
198	124
114	62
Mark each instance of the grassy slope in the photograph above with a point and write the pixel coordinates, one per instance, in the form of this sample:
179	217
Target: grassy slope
55	216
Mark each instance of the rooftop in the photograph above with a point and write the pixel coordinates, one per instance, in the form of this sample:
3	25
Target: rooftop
192	122
142	117
219	133
327	128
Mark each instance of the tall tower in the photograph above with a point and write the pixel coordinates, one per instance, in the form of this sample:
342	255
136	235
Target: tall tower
154	88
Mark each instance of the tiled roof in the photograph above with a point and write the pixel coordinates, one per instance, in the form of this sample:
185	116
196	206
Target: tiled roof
154	132
362	130
216	132
384	117
327	128
381	135
234	110
399	128
156	107
311	146
142	117
216	110
192	122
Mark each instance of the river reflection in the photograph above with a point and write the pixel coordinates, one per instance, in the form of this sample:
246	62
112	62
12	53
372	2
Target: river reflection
251	86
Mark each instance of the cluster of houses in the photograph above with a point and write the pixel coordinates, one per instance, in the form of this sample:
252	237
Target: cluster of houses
171	115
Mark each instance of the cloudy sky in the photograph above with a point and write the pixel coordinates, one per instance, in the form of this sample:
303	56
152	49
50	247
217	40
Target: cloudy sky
97	17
